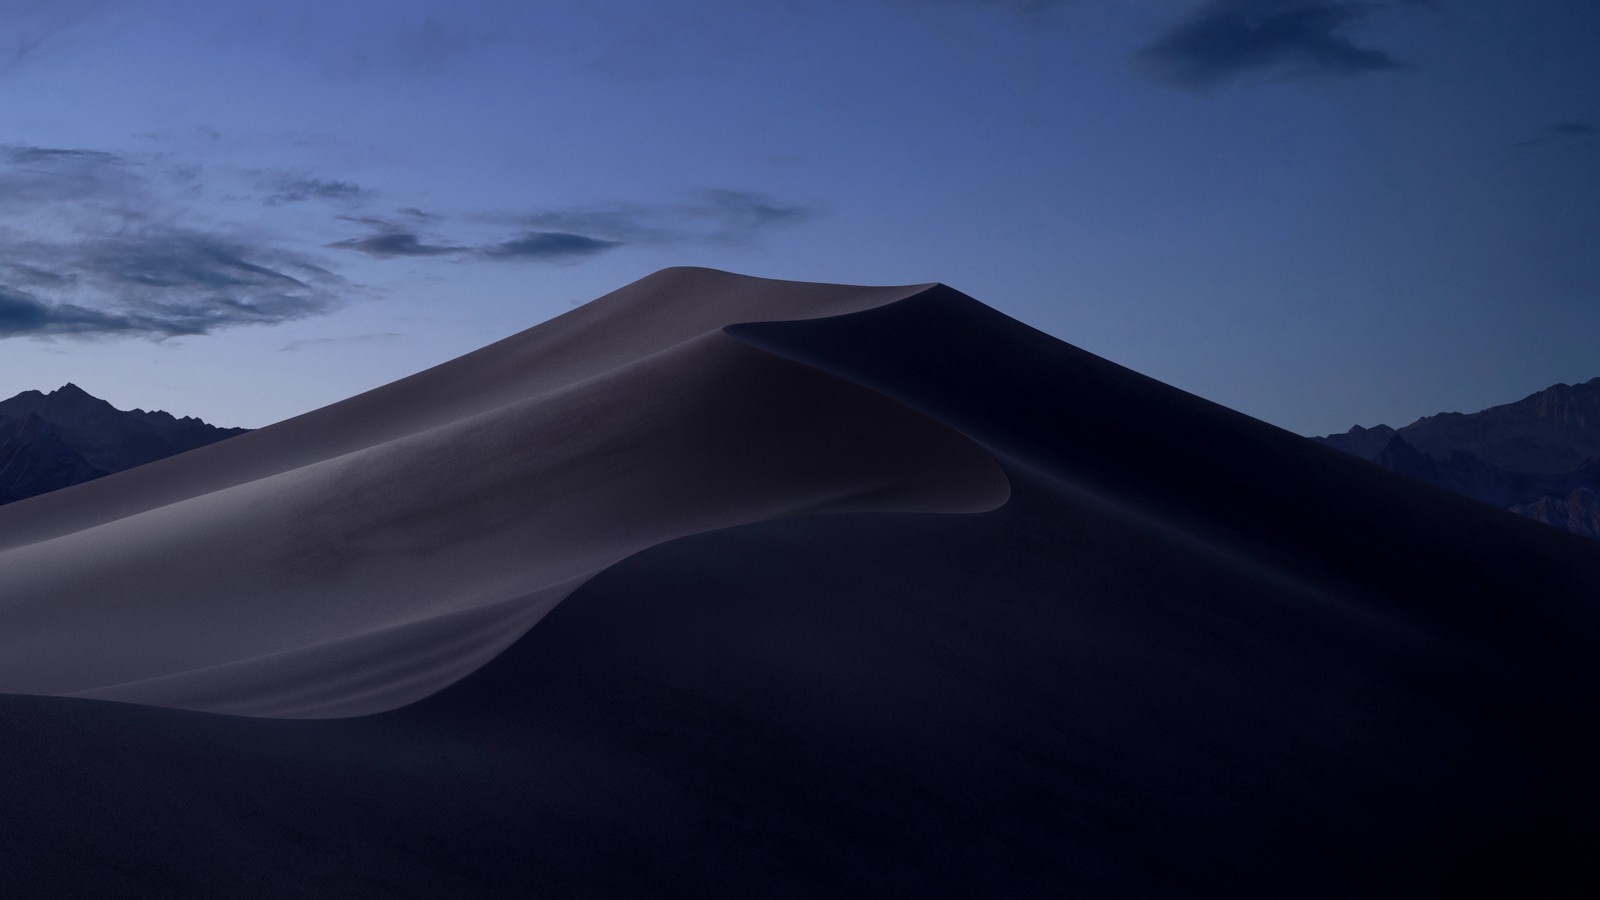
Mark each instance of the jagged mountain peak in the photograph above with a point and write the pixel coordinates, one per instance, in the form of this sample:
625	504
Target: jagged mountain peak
1573	405
1535	456
1366	443
54	440
1551	431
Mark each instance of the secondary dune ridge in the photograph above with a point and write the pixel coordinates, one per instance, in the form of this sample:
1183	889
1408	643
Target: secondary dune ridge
870	592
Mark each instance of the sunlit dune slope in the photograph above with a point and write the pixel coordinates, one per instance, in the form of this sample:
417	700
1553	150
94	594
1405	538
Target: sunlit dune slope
364	555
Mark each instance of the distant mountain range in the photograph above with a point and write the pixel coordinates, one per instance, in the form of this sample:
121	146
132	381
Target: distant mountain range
1538	457
68	436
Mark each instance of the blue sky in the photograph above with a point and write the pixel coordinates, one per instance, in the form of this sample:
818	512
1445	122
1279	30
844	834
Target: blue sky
1319	213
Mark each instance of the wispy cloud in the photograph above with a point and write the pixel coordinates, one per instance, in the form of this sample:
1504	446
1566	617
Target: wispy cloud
1223	40
1574	129
393	242
31	175
283	188
35	28
712	215
86	251
382	337
533	246
21	314
571	234
549	245
159	282
1570	133
734	214
22	154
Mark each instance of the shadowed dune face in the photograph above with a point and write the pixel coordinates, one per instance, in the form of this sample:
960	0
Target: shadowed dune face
1159	650
366	580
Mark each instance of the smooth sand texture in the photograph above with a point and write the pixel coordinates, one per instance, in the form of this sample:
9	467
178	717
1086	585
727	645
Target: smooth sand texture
625	326
456	510
1189	655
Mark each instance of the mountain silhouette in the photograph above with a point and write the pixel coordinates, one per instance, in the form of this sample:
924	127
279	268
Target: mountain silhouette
66	437
1538	457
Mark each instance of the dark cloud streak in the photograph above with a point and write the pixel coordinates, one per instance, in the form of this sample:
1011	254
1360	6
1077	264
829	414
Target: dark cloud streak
31	175
288	189
1575	129
549	245
534	246
742	212
1222	40
105	263
24	154
717	215
1569	133
165	284
22	314
389	244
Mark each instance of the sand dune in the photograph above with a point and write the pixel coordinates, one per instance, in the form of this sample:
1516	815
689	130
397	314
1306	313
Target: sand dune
424	528
868	592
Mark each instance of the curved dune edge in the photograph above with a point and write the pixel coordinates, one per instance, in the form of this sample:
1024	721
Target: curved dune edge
397	663
652	314
381	563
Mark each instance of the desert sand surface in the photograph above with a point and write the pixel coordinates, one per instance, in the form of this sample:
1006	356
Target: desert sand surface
727	587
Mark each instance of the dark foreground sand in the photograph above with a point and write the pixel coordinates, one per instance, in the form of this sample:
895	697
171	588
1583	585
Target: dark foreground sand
877	594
